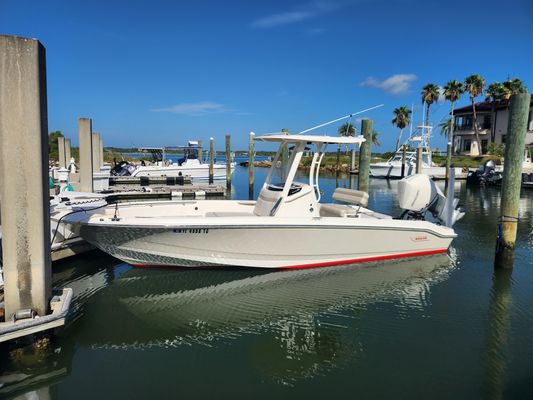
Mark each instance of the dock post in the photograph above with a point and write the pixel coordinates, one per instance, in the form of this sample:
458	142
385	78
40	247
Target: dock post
101	148
96	151
61	151
251	160
403	161
367	126
352	159
211	159
67	152
228	162
419	153
338	168
284	158
512	176
201	151
86	154
25	204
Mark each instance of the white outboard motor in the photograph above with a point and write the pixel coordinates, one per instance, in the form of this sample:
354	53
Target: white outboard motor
418	194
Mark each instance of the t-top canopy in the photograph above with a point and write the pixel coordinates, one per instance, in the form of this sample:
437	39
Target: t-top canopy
311	139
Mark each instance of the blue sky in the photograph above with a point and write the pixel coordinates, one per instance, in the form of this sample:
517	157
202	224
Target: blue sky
155	73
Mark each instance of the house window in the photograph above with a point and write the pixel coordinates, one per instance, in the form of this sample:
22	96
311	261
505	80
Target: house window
467	144
486	122
467	122
503	139
485	146
459	123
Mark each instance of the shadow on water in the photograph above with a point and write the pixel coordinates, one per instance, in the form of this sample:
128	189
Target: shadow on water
300	315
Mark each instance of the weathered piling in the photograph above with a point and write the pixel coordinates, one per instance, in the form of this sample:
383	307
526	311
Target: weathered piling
96	151
365	152
211	159
61	152
512	175
25	205
251	160
101	148
419	154
201	151
67	152
403	161
352	159
86	154
228	162
284	158
338	167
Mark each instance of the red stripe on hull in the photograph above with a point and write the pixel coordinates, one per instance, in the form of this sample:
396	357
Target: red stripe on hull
323	264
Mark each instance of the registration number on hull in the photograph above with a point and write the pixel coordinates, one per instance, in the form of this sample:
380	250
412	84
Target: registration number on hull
191	230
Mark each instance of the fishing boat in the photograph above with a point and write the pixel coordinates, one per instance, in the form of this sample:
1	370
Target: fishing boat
419	138
286	227
189	164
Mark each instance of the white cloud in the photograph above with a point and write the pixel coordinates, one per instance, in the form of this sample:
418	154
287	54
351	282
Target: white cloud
194	109
304	12
395	84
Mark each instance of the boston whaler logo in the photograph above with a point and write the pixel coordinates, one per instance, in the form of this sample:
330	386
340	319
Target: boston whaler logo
419	238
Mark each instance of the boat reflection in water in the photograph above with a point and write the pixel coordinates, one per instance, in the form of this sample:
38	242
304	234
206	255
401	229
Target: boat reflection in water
299	314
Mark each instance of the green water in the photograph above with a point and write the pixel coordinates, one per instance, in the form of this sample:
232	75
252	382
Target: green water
439	327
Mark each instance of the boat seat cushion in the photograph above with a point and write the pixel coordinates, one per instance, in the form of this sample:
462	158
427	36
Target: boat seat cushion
351	196
336	210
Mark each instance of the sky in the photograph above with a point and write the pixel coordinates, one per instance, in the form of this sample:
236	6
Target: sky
159	73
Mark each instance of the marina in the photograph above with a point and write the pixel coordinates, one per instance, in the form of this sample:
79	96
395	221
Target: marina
197	200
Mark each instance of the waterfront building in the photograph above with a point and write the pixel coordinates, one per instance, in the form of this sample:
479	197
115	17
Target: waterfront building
492	122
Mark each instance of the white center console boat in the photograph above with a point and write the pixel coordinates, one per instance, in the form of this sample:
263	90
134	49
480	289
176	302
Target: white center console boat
287	227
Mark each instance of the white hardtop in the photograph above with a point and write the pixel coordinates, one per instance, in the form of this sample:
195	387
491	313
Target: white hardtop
311	139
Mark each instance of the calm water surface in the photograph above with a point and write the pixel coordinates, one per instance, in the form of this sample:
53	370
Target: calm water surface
439	327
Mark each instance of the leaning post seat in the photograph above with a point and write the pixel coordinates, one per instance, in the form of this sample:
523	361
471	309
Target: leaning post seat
357	197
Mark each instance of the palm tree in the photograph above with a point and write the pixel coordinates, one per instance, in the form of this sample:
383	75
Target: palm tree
515	86
452	92
430	94
402	118
375	140
495	92
474	85
346	129
445	127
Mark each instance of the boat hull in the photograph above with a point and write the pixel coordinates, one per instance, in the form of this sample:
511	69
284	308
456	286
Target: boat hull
201	172
297	246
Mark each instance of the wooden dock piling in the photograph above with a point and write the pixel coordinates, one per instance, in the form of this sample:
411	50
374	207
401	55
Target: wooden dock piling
228	162
419	154
67	152
512	176
365	153
211	159
403	161
251	160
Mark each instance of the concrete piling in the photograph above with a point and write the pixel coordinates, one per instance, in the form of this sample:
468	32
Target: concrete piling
24	191
419	153
68	155
251	160
211	159
96	151
86	154
61	152
101	148
512	176
228	162
365	152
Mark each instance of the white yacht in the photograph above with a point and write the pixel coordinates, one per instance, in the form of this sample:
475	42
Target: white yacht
287	227
189	164
393	167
